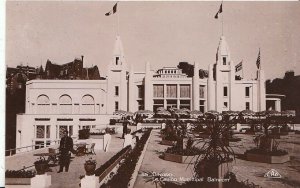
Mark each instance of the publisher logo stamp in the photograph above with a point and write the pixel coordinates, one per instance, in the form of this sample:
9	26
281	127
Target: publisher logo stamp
272	174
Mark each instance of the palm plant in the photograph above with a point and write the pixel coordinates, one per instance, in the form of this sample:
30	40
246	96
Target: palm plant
215	150
154	178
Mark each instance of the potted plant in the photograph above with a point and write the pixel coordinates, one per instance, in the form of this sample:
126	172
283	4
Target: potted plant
216	157
266	150
169	135
90	166
41	166
182	155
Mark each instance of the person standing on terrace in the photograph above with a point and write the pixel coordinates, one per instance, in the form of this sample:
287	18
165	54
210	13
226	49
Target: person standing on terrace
125	122
65	147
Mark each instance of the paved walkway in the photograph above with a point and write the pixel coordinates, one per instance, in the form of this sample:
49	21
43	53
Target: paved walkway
243	169
66	179
153	163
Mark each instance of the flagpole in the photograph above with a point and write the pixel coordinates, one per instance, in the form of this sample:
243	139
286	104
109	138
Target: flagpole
118	23
242	70
222	17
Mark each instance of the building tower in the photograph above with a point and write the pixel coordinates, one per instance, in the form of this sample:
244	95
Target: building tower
117	80
131	97
148	88
261	89
195	80
220	89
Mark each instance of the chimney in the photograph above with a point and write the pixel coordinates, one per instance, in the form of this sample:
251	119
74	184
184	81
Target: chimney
82	58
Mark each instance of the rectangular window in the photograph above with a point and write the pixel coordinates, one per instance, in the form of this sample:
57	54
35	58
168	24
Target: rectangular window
185	104
225	91
247	105
116	105
202	91
48	131
140	105
39	144
171	91
62	128
140	91
185	91
158	91
171	104
224	60
71	130
225	105
247	91
116	90
157	104
117	60
202	106
40	131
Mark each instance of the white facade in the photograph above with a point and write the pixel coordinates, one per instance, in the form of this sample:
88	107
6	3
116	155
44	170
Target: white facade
52	105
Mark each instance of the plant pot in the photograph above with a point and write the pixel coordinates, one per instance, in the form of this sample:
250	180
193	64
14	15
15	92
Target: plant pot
267	158
180	158
17	181
89	169
41	168
203	135
213	170
168	142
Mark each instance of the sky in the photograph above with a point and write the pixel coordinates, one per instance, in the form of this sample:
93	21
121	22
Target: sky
162	33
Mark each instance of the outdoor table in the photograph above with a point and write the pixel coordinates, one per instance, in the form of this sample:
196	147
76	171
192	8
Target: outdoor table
51	156
81	149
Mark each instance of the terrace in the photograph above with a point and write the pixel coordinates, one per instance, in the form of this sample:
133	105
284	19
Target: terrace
152	160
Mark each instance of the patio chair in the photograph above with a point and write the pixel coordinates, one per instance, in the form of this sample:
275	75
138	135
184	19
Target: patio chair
91	150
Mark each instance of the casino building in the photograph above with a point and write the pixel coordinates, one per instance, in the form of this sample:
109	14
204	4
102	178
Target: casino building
53	105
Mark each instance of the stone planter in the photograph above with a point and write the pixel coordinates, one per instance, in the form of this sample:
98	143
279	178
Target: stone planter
180	158
234	139
168	142
203	135
250	133
89	169
41	168
267	158
17	181
213	171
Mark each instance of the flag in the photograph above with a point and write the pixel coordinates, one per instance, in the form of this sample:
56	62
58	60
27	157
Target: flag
239	66
258	60
219	11
114	10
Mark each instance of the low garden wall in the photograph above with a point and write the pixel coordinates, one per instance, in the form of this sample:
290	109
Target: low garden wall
267	158
104	170
127	168
180	158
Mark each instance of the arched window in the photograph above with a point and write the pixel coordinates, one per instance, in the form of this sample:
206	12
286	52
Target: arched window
43	104
65	104
87	105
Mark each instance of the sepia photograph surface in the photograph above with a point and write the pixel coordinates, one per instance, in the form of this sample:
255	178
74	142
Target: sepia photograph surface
167	94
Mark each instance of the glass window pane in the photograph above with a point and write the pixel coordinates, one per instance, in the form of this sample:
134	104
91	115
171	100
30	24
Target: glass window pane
61	129
202	91
158	91
171	91
185	91
48	131
40	131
